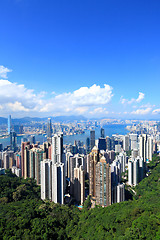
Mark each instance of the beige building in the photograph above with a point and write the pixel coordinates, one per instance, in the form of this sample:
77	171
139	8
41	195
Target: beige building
103	183
93	159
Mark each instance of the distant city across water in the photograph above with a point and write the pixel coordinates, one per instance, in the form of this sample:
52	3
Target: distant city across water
109	130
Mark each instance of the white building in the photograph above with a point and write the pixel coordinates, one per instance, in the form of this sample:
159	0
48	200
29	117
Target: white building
58	183
135	171
126	143
57	148
133	141
120	193
46	179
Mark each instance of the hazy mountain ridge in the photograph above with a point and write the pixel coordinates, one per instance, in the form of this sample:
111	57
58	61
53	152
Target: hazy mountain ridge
36	119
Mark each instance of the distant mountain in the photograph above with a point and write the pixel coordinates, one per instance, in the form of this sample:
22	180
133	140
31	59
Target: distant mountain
3	120
68	118
37	119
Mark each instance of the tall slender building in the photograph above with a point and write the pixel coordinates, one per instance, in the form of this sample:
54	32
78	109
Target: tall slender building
58	183
57	148
26	162
9	124
149	148
120	193
92	138
143	146
102	133
88	145
49	128
126	143
38	159
74	162
103	183
79	185
134	141
93	159
24	145
46	179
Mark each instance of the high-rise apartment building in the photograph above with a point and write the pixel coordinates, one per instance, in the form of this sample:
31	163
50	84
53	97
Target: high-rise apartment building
38	159
23	146
126	143
93	159
57	148
58	183
120	193
79	184
135	171
133	141
103	183
74	162
46	179
143	146
149	148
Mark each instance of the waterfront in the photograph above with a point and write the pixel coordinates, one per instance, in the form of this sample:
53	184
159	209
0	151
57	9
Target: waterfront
109	130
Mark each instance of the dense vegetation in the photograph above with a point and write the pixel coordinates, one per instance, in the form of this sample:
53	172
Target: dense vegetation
24	216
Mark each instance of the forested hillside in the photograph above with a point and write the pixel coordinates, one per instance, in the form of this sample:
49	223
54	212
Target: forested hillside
24	216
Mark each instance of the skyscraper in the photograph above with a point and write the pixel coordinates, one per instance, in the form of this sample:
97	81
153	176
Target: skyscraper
74	162
134	141
49	128
9	124
120	193
46	179
58	183
23	159
126	143
102	133
149	148
93	159
92	138
79	185
88	145
143	146
38	158
57	148
102	144
103	183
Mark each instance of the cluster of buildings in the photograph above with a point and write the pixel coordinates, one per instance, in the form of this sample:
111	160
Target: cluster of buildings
74	171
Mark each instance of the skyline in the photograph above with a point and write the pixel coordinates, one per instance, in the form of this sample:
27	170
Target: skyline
84	58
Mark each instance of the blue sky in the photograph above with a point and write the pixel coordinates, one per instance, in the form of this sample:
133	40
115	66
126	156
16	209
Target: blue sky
63	52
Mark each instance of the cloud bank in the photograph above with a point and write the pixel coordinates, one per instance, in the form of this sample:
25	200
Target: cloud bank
4	71
92	101
16	98
133	100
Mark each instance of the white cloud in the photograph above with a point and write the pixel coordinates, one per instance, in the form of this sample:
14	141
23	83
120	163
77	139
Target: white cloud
17	107
140	97
99	110
133	100
142	111
12	92
81	110
80	101
94	95
156	111
4	71
17	98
